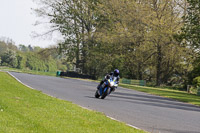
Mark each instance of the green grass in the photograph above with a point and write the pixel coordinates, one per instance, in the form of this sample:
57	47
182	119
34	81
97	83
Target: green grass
28	71
23	110
173	94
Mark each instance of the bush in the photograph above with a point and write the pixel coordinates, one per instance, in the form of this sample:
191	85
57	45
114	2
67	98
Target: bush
21	61
193	90
9	58
51	65
60	66
35	63
196	81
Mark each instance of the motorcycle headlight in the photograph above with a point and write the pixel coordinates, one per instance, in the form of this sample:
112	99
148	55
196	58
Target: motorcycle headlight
112	83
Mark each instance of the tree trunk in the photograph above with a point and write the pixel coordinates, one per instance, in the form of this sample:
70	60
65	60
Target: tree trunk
139	71
77	45
158	67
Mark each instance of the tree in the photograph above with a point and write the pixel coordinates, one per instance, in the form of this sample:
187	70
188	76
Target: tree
119	31
190	37
23	48
142	33
74	20
191	29
30	48
34	62
135	36
6	44
3	47
37	49
9	58
21	60
163	22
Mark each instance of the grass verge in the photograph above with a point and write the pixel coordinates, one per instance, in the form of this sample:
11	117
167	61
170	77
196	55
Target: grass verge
23	110
28	71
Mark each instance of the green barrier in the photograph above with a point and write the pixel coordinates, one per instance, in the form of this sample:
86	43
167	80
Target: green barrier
126	81
58	73
134	82
142	82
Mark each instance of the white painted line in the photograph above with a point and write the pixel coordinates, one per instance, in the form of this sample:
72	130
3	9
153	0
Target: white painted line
126	123
19	80
133	126
113	118
25	84
85	108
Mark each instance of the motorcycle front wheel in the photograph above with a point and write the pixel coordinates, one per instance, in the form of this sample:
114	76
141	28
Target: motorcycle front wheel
104	94
97	94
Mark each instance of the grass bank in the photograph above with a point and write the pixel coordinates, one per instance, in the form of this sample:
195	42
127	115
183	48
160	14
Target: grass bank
24	110
28	71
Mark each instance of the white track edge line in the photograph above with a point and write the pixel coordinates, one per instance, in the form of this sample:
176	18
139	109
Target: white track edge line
123	122
19	80
79	105
25	84
113	118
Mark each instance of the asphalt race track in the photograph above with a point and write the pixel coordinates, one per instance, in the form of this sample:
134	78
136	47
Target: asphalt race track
151	113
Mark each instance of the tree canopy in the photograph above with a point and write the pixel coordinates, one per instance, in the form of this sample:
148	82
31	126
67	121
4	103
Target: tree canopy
153	40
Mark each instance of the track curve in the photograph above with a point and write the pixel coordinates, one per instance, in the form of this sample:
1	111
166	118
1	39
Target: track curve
148	112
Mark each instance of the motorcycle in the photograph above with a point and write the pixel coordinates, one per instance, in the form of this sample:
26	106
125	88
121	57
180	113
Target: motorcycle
106	88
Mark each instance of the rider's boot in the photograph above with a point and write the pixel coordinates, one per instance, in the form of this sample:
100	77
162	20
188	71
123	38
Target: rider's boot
98	87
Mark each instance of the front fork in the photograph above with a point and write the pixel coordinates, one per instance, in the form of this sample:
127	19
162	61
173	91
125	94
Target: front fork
103	87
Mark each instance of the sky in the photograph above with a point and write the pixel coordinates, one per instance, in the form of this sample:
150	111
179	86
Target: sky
17	23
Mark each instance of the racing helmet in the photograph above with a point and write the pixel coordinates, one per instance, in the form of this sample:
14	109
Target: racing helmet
116	72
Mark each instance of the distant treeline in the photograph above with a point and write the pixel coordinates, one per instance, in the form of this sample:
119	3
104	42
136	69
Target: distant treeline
28	57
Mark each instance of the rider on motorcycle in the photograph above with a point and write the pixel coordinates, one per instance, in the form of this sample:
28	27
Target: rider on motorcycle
114	75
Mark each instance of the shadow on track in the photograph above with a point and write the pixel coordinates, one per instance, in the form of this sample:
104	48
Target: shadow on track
155	101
